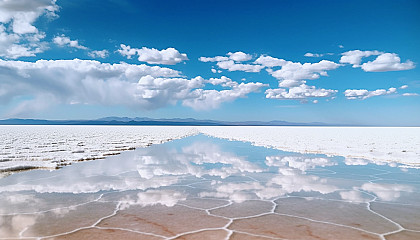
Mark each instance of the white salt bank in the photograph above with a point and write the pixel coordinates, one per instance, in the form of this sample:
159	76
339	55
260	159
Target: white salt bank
356	144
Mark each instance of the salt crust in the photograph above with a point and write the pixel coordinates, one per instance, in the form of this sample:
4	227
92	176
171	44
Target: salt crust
27	147
377	144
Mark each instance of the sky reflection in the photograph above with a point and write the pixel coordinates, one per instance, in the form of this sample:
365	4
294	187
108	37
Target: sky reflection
197	170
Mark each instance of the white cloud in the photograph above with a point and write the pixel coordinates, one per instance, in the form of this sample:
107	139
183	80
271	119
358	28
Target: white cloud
410	94
223	81
340	46
91	82
23	13
236	56
300	92
99	54
387	62
403	87
383	63
213	59
313	54
62	41
209	99
239	56
169	56
158	92
354	57
69	81
364	94
293	74
268	61
21	38
232	66
127	51
14	45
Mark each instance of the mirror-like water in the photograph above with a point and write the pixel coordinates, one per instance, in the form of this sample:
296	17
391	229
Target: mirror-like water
200	187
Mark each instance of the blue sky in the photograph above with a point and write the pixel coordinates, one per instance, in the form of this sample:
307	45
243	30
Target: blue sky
349	62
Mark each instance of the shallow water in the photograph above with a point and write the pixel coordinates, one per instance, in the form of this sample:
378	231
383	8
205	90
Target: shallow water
208	188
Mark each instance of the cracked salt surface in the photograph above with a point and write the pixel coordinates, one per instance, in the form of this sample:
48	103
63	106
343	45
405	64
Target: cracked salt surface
208	188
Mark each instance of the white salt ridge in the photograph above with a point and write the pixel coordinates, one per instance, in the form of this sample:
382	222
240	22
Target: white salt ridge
27	147
377	144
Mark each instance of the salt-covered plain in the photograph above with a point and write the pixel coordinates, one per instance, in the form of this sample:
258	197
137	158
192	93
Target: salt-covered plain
50	147
356	144
30	147
202	187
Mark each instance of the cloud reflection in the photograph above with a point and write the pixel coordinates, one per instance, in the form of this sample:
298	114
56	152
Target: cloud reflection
150	169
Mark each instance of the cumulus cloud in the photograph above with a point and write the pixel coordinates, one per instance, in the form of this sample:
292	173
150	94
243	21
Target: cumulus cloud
99	54
383	63
223	81
14	45
213	59
23	13
233	62
293	74
209	99
299	92
387	62
268	61
354	57
232	66
236	56
62	41
92	82
169	56
22	38
364	94
159	92
403	87
75	81
239	56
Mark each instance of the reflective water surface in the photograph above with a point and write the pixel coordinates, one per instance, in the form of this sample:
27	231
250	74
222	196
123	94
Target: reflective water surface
207	188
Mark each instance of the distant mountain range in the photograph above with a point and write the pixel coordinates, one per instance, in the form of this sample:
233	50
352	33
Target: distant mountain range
151	121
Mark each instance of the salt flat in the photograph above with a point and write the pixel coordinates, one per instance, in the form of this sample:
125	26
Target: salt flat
356	144
26	147
201	187
29	147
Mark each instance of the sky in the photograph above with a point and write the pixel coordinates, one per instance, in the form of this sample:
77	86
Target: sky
338	62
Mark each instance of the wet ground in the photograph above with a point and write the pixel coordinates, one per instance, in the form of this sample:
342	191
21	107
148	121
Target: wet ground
208	188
